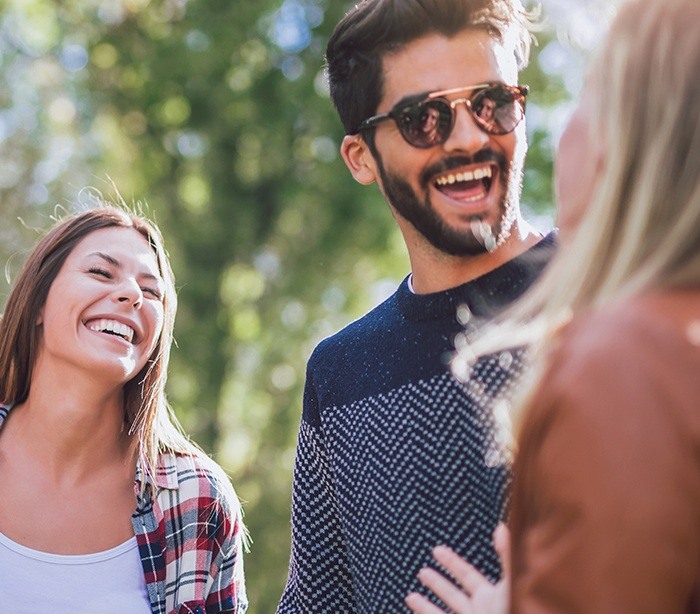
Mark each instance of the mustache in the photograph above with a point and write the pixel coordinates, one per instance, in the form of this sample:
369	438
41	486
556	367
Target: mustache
454	162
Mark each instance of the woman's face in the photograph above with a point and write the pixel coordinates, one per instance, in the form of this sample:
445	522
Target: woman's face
577	164
104	311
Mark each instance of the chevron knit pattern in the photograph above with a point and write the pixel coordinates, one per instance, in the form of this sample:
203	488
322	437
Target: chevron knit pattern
394	455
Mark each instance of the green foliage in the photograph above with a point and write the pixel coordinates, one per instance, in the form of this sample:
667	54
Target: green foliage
193	107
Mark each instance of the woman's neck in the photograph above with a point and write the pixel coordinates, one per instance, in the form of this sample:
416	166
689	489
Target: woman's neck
74	427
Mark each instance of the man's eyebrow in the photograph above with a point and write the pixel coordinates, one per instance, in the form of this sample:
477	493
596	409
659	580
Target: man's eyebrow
410	99
114	262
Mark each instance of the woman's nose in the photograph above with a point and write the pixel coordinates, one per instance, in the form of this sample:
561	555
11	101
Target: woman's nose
130	292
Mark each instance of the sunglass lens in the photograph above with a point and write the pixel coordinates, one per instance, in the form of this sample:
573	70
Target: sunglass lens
498	109
425	124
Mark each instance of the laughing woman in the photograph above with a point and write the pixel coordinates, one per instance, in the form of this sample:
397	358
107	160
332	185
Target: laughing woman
105	505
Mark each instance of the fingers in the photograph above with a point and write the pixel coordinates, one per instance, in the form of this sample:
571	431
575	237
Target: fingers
472	592
421	605
501	541
467	575
446	590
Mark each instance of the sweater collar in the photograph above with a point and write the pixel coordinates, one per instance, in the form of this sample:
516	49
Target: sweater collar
483	296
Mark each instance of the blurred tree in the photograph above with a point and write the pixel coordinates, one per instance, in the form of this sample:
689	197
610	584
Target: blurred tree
216	111
217	114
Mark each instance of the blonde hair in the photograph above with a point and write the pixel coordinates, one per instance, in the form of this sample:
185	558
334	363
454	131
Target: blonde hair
641	229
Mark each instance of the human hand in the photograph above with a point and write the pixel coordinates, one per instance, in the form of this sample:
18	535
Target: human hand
473	593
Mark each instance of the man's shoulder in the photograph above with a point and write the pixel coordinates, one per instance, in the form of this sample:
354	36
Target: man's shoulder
364	331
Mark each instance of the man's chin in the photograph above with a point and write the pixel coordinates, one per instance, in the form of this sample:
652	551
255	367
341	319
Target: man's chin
479	239
459	246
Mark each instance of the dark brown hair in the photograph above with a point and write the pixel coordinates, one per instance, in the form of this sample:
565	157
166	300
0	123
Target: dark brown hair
376	27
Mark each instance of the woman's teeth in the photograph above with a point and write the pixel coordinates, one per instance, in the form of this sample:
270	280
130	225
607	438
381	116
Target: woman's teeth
113	327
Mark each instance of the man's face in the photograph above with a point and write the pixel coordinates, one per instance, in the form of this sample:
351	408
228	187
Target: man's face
434	192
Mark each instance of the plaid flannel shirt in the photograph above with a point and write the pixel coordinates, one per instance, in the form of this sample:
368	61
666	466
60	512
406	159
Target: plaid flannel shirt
190	537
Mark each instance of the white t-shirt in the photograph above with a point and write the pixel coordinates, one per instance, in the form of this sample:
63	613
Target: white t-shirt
109	582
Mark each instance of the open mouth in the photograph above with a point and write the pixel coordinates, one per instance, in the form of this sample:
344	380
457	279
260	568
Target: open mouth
467	185
112	327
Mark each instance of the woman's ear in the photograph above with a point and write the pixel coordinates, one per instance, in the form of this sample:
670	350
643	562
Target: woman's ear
359	159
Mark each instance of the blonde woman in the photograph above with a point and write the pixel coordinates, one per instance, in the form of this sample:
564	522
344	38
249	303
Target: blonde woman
606	502
106	506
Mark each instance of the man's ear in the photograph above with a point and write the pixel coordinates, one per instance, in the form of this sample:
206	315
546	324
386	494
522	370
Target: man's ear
359	159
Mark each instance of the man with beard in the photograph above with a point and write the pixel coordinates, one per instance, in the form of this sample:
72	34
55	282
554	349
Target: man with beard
395	455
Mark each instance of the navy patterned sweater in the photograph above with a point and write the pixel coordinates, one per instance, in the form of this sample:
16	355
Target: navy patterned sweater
392	451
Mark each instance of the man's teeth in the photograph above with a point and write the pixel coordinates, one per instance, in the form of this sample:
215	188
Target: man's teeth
114	327
479	173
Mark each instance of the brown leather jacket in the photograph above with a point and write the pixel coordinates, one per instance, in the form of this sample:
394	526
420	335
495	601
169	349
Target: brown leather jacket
605	512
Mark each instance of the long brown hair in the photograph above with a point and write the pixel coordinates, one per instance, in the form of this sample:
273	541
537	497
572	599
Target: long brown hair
146	411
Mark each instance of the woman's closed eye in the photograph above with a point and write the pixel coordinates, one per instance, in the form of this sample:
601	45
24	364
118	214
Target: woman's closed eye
99	271
156	294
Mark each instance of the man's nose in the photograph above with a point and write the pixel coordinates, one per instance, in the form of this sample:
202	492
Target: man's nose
466	134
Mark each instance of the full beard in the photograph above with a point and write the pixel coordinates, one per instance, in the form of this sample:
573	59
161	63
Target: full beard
420	213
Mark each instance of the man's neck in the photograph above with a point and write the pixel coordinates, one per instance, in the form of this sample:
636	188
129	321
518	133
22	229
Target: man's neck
435	271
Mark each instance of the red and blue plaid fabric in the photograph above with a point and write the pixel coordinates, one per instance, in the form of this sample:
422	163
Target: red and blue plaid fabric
191	538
